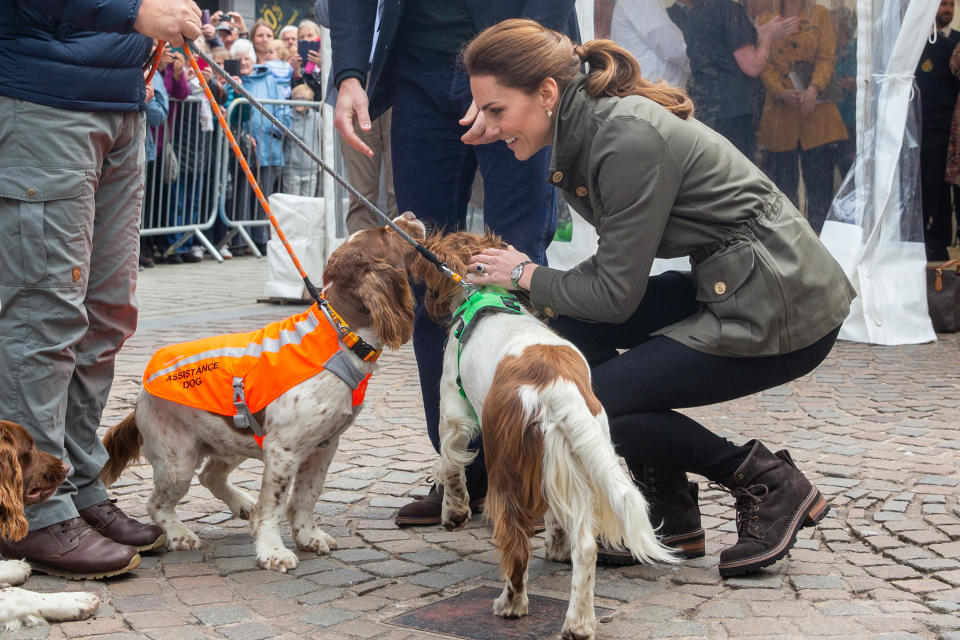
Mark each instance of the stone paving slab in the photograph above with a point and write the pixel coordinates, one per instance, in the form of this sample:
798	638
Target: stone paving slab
875	427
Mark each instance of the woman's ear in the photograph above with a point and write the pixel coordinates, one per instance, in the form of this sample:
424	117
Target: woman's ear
13	524
549	94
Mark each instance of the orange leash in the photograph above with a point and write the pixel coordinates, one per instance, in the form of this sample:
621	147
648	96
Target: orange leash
353	341
154	61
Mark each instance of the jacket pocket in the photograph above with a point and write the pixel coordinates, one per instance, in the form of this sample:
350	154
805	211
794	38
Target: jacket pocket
42	222
733	290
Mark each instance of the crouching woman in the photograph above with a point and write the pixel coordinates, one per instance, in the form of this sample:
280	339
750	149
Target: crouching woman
762	306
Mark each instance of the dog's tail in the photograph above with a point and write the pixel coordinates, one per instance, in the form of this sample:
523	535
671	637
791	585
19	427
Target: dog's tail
583	477
122	442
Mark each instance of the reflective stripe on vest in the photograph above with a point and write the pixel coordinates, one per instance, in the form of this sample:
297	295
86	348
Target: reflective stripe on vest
270	361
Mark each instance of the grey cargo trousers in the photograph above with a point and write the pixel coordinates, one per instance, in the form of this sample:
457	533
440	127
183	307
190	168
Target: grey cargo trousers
71	189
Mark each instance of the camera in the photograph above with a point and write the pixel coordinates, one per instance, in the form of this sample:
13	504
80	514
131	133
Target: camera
225	17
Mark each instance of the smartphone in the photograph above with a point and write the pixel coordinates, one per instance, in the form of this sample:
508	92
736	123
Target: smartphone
205	16
304	46
232	67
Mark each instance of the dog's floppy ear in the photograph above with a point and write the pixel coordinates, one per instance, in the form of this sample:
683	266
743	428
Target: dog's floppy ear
13	524
387	296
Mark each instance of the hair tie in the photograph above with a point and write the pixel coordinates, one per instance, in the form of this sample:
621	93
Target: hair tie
580	51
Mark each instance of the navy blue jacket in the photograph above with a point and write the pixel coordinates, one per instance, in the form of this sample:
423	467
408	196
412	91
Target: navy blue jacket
73	54
351	34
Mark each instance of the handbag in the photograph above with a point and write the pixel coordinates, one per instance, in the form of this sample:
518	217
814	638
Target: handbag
171	163
943	296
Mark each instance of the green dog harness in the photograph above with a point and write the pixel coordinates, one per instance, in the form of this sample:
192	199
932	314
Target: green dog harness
484	301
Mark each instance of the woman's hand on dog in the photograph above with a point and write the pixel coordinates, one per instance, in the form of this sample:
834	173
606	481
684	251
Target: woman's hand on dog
492	267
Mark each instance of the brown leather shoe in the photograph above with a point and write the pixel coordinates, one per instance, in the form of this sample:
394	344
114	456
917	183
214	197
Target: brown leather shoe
426	510
71	549
109	521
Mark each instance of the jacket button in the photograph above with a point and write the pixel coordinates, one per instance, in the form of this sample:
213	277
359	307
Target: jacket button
581	191
557	176
550	312
31	193
720	288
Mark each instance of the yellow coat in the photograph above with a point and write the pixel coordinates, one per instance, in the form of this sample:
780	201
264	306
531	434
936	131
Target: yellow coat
782	126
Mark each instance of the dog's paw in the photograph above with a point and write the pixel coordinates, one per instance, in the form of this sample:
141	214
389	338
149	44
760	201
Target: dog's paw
314	539
507	607
579	630
67	607
13	572
182	539
243	506
453	519
278	560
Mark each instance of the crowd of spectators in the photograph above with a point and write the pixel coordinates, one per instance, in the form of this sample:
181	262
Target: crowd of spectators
180	181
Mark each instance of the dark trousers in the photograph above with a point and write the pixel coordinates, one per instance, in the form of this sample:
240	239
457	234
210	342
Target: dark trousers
817	163
742	132
432	176
935	195
641	387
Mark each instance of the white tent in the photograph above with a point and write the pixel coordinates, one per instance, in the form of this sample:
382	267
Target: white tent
875	226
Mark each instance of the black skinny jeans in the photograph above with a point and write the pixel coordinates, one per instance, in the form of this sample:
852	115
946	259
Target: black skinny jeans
641	387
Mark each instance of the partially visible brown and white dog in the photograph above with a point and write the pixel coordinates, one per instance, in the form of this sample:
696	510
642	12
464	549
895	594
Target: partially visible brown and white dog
29	476
365	281
546	443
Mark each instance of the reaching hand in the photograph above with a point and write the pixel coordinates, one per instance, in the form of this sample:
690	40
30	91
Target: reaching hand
352	108
169	20
777	27
149	93
208	31
477	121
238	22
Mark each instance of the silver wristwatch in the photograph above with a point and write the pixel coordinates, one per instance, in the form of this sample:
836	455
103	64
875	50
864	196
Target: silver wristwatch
517	272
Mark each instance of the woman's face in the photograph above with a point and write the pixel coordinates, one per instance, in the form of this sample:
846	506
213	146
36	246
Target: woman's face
514	116
261	39
246	65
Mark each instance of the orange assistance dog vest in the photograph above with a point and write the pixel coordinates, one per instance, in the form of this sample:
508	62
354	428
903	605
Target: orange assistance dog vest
239	374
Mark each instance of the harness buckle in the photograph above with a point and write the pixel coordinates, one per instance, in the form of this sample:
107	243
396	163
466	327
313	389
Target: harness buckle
243	419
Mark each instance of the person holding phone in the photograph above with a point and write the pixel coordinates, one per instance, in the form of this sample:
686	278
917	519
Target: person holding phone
307	62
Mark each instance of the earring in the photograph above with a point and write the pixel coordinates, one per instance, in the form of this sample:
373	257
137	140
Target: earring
549	113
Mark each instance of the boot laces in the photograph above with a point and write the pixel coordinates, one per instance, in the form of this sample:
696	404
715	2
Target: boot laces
748	500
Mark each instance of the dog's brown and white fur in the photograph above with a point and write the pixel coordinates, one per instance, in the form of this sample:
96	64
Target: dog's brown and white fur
366	282
546	443
29	476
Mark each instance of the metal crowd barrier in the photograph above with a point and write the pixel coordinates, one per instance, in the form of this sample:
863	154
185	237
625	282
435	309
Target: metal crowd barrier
180	199
210	197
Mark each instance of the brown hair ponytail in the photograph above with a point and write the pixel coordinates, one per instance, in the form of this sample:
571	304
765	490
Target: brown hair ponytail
523	53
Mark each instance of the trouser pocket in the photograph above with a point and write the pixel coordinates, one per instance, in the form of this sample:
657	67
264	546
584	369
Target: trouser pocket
45	238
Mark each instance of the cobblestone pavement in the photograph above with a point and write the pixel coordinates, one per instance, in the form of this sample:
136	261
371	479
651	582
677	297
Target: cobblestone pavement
876	427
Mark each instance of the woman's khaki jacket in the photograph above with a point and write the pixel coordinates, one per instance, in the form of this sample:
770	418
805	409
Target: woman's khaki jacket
782	126
655	185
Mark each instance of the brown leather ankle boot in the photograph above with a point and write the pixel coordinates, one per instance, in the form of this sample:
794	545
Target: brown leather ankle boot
773	501
674	512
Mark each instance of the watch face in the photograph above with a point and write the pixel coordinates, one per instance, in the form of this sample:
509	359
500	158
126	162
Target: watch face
516	272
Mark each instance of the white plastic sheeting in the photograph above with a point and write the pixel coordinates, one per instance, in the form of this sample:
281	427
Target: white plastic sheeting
875	227
304	225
